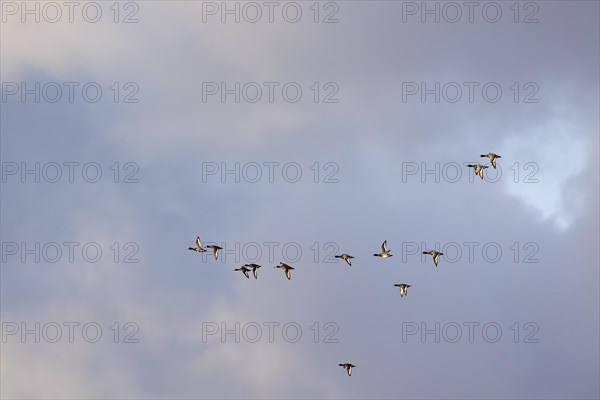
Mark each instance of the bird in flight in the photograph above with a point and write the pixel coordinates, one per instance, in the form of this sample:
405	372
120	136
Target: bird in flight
478	169
345	257
244	271
435	255
215	249
348	367
253	267
492	158
403	288
385	253
287	269
198	247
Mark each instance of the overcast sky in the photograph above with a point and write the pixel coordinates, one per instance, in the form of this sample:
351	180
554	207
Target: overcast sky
521	246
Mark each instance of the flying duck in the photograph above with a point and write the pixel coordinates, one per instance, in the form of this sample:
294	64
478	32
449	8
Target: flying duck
385	253
348	367
403	288
198	247
345	257
254	267
478	169
287	269
215	249
492	158
244	271
435	255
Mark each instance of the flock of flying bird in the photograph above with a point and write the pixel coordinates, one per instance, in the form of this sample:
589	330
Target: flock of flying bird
479	168
385	252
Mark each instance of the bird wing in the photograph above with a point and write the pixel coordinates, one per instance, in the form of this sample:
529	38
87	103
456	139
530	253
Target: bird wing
383	246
